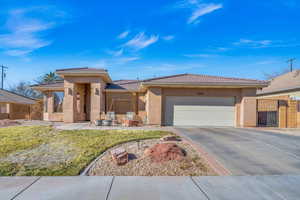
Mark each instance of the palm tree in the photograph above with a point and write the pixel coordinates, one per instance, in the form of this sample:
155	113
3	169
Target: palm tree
48	78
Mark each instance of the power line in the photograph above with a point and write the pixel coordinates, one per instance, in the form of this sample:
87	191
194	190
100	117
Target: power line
3	75
291	61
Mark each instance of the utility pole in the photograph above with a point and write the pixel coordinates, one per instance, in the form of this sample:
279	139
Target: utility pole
291	61
3	75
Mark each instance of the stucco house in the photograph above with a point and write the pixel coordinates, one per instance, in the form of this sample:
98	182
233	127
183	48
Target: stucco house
285	85
15	106
279	103
88	94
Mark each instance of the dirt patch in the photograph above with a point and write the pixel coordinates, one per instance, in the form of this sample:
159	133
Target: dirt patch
191	164
8	122
45	155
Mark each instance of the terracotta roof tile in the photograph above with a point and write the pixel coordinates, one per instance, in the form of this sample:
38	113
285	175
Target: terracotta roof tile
134	85
83	69
197	78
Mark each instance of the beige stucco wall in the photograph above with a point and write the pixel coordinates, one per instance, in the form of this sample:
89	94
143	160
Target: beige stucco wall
19	111
248	112
154	104
73	85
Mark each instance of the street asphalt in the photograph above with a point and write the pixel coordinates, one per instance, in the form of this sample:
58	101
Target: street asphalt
248	151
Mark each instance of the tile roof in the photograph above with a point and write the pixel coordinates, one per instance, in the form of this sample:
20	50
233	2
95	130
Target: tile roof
197	78
132	85
82	69
193	79
56	84
10	97
288	81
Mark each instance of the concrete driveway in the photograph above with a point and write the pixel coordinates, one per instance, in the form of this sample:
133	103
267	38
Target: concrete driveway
249	151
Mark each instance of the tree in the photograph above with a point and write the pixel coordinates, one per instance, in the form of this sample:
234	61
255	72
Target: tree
272	75
48	78
23	88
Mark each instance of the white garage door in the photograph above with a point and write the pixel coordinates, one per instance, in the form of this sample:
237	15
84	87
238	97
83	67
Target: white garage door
199	111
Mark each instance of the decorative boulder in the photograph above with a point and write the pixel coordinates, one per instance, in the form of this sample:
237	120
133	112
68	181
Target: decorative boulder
169	138
119	156
165	152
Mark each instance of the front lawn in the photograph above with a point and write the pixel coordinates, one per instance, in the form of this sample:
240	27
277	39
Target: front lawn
45	151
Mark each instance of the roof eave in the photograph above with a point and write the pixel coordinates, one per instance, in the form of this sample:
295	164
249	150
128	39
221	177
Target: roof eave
42	89
279	91
121	90
103	74
207	85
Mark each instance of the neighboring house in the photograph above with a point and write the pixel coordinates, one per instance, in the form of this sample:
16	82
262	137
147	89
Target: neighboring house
278	104
15	106
88	94
285	86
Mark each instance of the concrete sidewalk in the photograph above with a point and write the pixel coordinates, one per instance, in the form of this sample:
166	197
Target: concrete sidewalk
150	188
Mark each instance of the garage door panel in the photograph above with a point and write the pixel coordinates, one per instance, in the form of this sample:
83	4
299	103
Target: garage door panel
200	111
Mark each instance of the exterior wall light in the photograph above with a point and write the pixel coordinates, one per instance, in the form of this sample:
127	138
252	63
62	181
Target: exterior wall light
97	92
70	92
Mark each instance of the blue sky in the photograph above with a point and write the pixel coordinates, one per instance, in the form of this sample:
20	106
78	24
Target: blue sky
149	38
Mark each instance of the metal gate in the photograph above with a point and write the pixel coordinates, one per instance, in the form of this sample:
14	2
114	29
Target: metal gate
267	112
268	119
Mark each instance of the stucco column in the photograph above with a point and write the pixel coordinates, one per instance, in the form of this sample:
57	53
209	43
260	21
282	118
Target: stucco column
248	112
154	106
282	114
135	103
97	101
69	106
50	102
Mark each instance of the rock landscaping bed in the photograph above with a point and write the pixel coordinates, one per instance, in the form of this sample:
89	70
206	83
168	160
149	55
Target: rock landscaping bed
153	157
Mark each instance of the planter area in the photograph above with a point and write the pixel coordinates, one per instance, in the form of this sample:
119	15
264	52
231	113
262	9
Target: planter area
152	158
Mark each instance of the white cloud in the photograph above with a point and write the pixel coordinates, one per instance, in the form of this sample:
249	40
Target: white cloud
107	62
266	62
203	9
141	41
168	37
198	9
117	52
123	34
200	55
16	52
222	49
24	27
253	43
124	60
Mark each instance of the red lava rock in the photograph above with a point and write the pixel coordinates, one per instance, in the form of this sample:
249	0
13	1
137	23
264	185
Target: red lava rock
165	152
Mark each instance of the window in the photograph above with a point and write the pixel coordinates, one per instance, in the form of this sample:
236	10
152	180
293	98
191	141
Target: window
3	108
58	99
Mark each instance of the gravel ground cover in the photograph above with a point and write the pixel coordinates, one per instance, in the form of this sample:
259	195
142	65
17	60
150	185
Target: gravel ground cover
141	165
46	151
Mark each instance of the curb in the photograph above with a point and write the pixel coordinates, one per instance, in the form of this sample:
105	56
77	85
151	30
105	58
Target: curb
217	167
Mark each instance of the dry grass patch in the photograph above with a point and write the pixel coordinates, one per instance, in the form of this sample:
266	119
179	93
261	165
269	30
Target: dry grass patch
44	151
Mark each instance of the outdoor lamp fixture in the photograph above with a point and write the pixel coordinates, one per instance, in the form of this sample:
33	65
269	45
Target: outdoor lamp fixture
70	91
97	92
